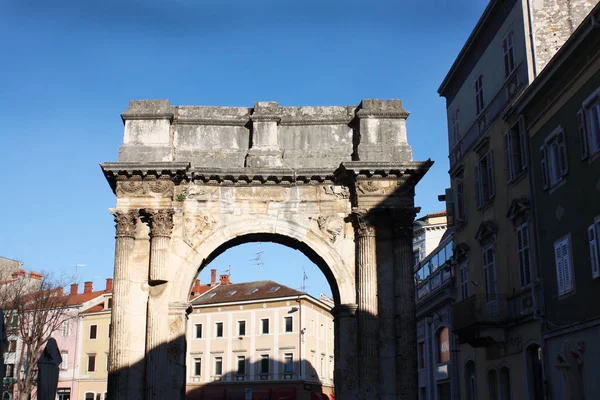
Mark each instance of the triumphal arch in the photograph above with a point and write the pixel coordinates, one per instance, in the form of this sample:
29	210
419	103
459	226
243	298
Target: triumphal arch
334	182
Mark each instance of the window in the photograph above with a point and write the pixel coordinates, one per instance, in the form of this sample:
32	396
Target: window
288	324
218	366
593	231
89	396
288	366
421	355
470	380
479	94
274	289
264	364
231	293
588	119
443	342
492	385
514	147
12	346
109	303
198	331
460	201
554	158
504	383
219	329
197	366
252	291
509	53
91	362
456	126
523	251
14	321
484	179
64	328
241	328
109	327
93	331
241	365
489	274
564	268
464	280
64	365
265	326
10	370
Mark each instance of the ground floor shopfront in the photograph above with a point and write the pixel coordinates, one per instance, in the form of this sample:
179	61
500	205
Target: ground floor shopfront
260	391
90	390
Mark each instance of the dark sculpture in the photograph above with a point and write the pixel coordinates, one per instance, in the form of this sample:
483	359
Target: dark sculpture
48	371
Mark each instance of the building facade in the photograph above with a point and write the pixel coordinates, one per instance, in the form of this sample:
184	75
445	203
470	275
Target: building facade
499	294
263	336
561	113
427	233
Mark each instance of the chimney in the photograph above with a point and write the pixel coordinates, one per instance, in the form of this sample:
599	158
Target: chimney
18	274
224	279
109	282
213	277
196	287
74	288
35	275
87	287
59	290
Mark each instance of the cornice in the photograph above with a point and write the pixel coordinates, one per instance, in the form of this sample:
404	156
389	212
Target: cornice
379	170
212	122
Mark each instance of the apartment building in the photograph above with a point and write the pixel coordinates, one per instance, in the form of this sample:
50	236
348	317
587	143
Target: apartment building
262	337
427	233
561	114
496	318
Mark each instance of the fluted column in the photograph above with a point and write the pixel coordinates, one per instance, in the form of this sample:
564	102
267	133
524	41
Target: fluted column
346	360
406	331
161	225
118	365
366	276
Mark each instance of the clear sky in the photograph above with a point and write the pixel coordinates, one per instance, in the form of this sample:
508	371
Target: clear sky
68	69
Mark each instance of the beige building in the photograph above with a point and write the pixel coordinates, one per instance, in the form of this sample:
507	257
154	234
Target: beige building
262	336
93	360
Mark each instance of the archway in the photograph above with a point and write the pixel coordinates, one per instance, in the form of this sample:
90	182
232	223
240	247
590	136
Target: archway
335	182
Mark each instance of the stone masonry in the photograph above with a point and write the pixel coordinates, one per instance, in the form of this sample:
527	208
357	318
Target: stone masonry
335	182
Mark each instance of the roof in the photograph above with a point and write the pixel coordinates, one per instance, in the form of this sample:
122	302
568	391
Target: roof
436	214
96	308
201	290
246	292
81	298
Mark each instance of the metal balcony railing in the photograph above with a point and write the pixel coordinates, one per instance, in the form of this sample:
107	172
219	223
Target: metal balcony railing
480	309
513	85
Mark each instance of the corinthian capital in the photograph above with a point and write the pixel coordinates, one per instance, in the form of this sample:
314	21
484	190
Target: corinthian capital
161	222
403	220
125	222
362	223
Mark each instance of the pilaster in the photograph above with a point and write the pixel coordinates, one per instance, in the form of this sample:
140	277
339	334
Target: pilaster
346	354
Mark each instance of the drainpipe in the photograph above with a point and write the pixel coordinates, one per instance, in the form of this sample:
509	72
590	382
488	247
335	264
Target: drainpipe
532	39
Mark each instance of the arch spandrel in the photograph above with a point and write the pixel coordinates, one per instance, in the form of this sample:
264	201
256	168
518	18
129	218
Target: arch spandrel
336	253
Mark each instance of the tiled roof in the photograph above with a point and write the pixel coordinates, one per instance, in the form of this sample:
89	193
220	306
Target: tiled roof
81	298
202	289
96	308
246	292
436	214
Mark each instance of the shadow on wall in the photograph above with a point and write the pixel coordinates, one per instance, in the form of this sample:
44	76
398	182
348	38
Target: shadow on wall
277	381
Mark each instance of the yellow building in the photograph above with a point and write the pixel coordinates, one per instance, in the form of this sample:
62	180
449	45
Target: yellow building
259	336
93	360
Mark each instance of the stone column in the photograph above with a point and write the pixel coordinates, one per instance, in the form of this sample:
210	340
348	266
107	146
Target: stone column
119	339
177	350
346	360
406	329
161	224
366	280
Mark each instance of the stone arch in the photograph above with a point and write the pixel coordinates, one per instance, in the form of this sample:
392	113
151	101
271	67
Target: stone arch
337	270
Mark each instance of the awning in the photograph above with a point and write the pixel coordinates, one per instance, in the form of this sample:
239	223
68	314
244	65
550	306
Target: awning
284	393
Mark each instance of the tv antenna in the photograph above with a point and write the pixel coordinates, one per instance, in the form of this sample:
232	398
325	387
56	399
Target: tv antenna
78	266
258	260
228	270
304	279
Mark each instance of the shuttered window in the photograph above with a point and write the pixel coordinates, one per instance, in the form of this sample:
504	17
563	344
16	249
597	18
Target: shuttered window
489	272
564	267
484	179
554	158
592	232
523	253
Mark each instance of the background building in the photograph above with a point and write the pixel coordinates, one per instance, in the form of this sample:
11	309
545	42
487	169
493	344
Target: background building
561	110
496	317
427	233
261	335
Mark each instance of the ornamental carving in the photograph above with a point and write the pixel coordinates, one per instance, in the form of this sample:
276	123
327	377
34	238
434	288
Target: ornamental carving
403	220
130	188
161	222
198	192
196	224
377	187
125	222
341	192
363	224
331	226
164	187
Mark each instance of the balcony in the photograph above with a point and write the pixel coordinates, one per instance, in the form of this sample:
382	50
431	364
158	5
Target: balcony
480	321
513	85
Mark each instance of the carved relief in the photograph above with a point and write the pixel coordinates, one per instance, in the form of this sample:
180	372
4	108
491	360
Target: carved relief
136	188
130	188
196	224
331	226
341	192
161	222
161	187
125	222
377	187
197	192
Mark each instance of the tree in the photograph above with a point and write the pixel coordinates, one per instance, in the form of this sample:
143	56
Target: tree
33	309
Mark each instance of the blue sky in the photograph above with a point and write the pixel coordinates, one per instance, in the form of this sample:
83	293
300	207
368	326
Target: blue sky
69	69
